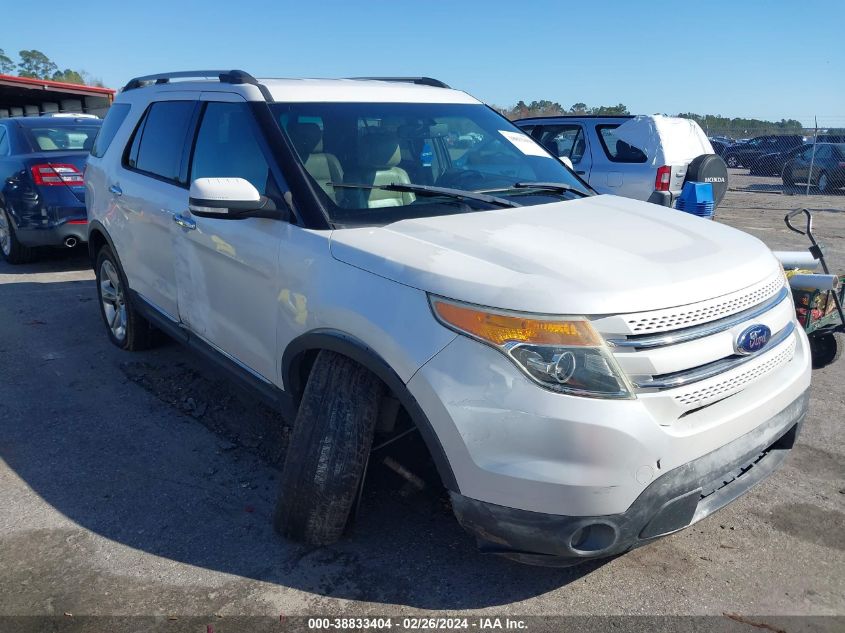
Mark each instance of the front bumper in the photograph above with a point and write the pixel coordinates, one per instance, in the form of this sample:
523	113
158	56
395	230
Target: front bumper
671	502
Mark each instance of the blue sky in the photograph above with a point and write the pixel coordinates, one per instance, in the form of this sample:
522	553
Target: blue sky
775	59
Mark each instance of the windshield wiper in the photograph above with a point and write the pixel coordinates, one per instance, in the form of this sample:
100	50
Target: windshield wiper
558	187
428	190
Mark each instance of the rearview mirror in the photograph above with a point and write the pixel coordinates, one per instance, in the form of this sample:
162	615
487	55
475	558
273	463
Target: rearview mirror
229	199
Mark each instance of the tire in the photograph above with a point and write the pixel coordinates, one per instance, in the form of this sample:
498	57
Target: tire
824	183
126	328
825	349
731	161
10	248
328	451
709	168
786	176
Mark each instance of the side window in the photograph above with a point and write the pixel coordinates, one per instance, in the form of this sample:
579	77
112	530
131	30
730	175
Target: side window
616	149
114	119
227	146
158	145
823	152
4	141
564	140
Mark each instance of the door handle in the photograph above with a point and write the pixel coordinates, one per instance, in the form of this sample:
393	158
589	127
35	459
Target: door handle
116	190
581	173
185	223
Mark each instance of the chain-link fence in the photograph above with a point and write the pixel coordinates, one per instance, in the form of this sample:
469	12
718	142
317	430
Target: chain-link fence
804	155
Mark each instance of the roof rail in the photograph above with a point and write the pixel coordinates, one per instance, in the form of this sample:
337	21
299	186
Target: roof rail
224	76
420	81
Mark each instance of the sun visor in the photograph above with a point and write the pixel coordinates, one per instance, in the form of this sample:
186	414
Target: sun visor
665	140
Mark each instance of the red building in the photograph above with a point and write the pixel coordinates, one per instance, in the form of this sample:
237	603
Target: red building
22	96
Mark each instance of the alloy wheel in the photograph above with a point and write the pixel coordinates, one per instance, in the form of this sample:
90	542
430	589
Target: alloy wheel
114	302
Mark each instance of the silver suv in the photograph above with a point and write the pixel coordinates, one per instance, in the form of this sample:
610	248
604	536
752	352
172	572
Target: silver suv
642	157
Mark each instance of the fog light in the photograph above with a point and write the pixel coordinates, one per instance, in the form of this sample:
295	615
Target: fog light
592	538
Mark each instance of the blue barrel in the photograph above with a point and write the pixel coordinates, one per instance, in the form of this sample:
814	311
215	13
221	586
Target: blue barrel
696	199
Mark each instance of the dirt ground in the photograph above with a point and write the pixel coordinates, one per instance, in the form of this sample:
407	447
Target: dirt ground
143	484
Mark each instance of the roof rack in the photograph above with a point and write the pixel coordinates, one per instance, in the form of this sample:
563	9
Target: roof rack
420	81
224	76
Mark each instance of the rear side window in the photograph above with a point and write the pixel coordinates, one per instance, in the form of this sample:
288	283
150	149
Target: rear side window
4	141
114	119
616	149
159	144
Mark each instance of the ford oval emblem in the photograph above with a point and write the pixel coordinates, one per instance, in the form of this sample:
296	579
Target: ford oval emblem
752	339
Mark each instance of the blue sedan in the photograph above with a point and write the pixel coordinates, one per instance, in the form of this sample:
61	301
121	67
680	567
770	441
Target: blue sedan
42	199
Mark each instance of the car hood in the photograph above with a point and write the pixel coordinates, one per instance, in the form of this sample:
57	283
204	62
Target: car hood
597	255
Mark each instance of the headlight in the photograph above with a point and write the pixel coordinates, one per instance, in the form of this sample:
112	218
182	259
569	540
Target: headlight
562	354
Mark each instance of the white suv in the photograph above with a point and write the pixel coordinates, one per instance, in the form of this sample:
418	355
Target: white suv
589	372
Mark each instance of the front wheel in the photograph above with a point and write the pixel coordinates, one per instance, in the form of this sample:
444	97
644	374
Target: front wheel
788	179
12	250
328	452
825	349
127	329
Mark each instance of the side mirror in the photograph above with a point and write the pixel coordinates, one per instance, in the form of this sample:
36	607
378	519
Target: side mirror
567	161
229	199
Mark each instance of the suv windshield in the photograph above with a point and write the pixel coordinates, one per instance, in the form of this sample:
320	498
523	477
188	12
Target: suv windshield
370	159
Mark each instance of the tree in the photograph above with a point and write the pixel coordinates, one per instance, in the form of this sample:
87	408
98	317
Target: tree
579	108
35	64
68	76
619	108
7	66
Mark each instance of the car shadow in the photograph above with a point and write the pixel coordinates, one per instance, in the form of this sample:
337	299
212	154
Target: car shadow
140	468
51	260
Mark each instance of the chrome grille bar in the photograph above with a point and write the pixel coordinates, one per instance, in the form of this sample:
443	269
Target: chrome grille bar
651	341
680	378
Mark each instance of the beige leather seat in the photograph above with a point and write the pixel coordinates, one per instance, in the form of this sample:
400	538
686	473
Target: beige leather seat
45	143
307	139
378	159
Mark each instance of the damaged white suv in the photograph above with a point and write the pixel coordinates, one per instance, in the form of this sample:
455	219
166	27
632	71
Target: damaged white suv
588	372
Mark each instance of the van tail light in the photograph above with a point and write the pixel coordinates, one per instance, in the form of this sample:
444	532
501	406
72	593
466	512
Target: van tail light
51	175
664	175
842	163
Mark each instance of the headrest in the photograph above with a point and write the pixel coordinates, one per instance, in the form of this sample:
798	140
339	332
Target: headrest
307	138
379	151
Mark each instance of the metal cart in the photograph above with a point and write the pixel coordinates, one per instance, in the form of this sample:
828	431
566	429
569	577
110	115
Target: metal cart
819	311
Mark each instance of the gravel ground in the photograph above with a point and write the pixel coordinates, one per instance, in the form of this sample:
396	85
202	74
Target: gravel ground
143	484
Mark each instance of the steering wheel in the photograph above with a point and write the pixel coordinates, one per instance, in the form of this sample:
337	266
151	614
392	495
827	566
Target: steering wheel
457	178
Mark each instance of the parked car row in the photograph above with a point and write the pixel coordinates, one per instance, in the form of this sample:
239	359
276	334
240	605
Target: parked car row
588	372
744	154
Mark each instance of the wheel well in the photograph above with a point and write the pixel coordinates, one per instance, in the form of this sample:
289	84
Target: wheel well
96	241
299	360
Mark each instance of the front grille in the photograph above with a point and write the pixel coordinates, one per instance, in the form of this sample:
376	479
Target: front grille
694	374
672	319
720	389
